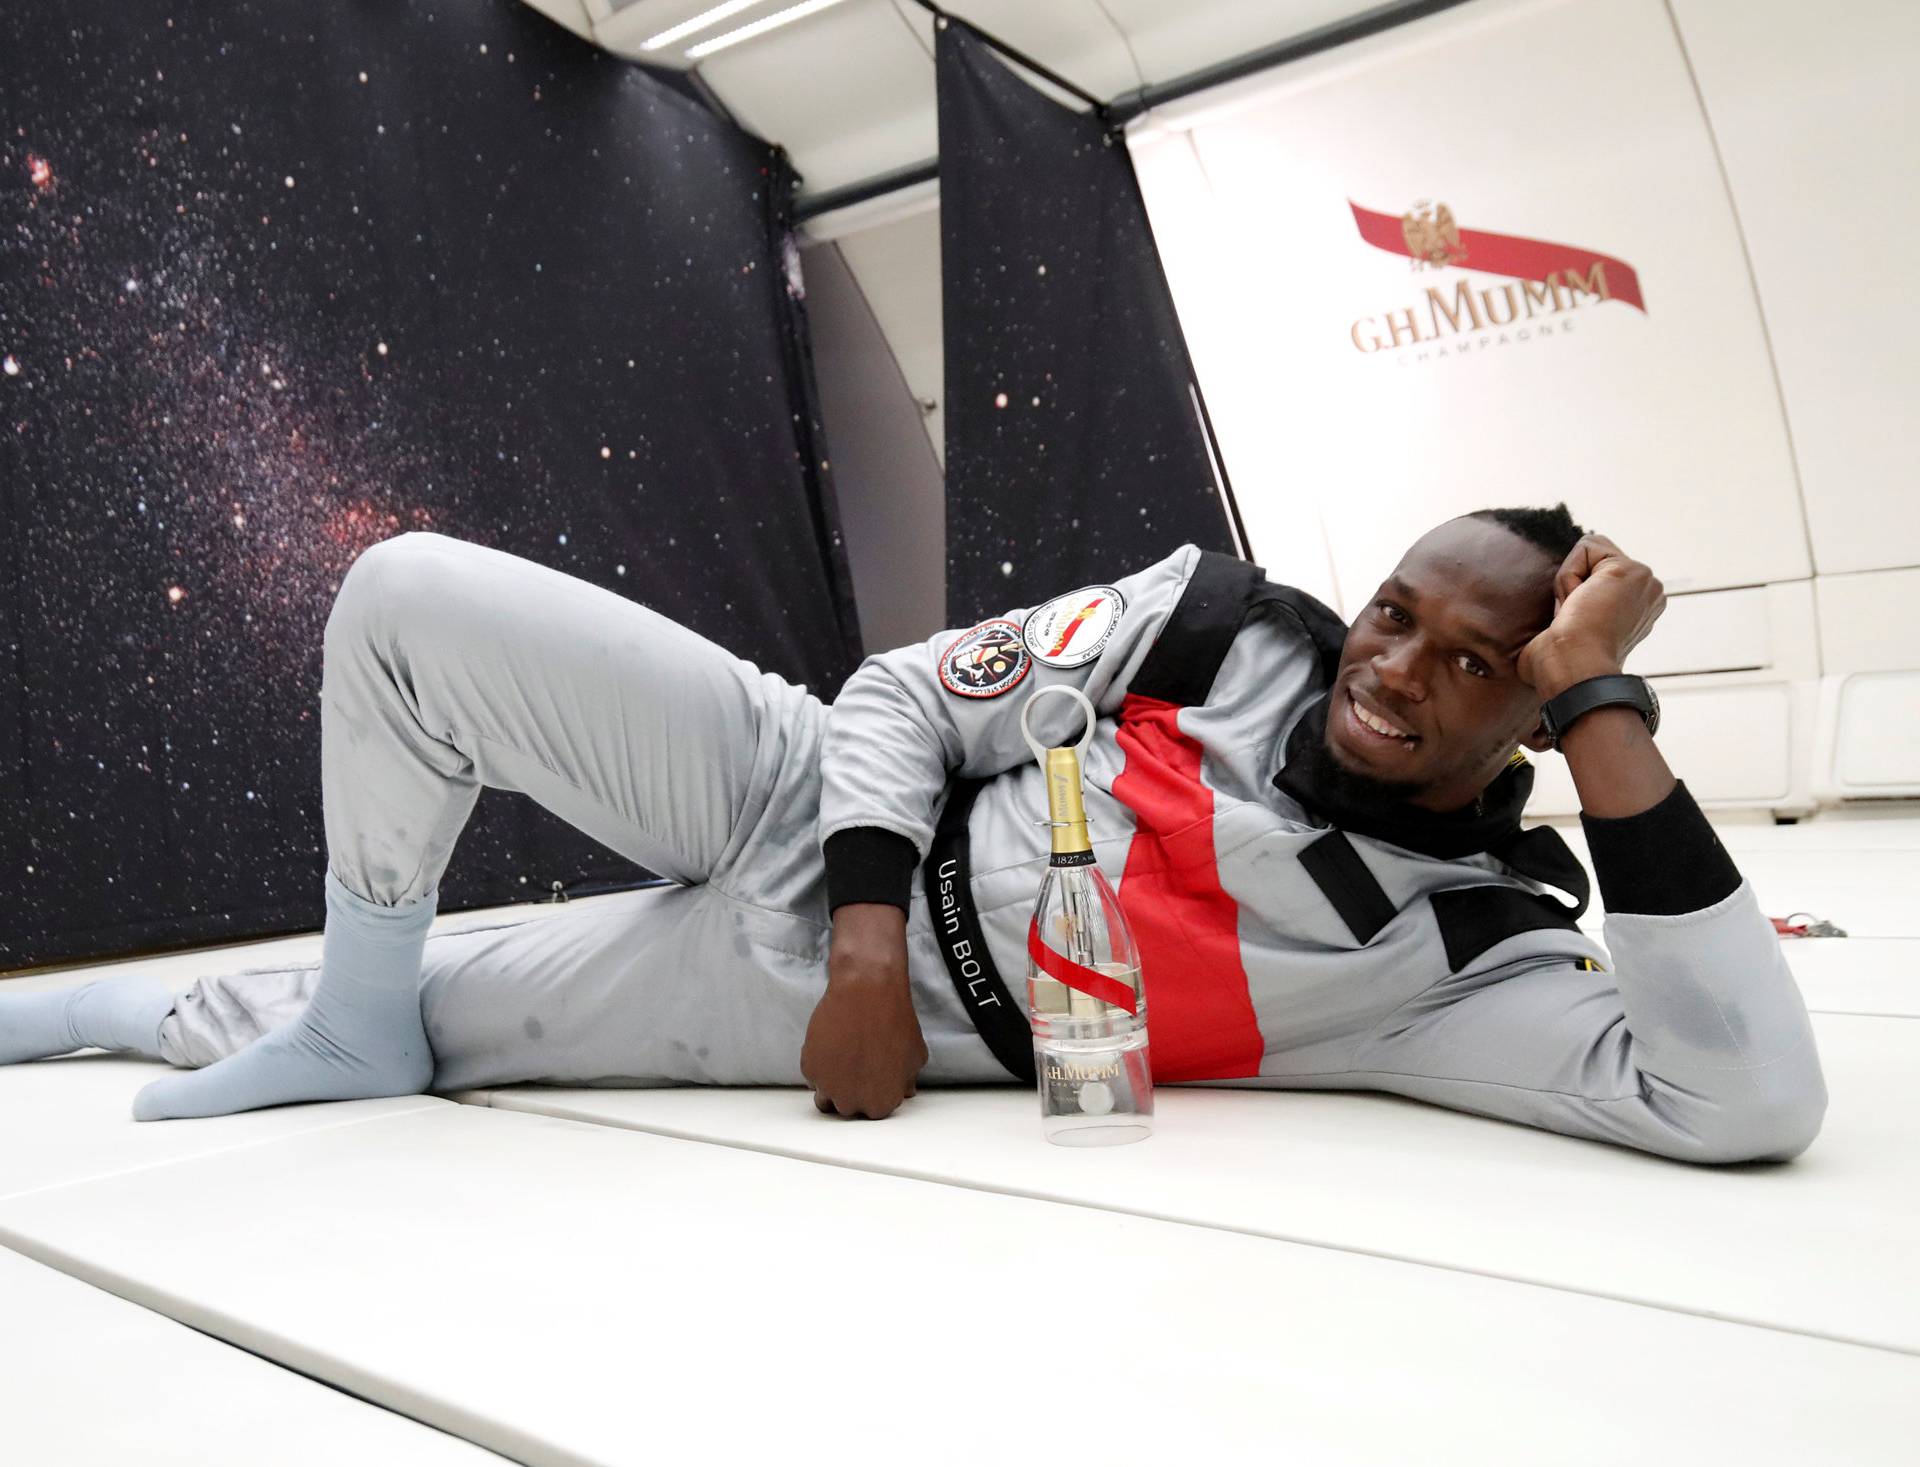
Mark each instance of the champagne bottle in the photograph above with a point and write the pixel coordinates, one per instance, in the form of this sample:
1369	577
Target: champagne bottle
1084	995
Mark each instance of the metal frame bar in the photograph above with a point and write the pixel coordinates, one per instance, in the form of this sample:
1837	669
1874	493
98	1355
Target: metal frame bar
945	18
1129	105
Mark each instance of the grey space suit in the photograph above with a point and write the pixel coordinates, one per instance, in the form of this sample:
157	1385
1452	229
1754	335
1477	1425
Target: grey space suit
1284	944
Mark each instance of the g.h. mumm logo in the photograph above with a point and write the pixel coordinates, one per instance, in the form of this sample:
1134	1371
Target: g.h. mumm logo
1545	282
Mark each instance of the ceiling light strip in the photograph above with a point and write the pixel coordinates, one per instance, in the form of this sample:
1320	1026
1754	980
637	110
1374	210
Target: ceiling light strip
760	27
699	23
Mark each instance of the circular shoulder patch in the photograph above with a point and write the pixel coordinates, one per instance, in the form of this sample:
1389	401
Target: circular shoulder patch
1072	630
985	662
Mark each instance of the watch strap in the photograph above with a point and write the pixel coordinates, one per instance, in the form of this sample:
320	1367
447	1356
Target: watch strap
1563	710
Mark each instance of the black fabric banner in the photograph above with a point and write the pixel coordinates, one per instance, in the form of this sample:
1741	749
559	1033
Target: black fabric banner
1075	445
279	281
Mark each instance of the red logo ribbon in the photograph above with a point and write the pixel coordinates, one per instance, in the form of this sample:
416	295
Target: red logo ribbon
1508	254
1060	645
1090	981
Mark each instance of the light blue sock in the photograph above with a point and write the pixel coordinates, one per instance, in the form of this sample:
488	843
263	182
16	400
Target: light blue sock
110	1013
361	1035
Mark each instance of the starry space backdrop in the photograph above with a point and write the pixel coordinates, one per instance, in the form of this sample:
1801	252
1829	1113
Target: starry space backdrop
278	281
1074	450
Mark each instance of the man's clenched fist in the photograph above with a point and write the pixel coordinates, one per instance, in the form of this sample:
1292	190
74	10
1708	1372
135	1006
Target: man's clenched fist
864	1049
1604	602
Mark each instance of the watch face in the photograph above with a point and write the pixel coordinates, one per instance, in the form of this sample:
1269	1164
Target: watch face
1653	713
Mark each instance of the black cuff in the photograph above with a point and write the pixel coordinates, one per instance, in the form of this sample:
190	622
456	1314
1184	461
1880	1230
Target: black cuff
869	864
1661	862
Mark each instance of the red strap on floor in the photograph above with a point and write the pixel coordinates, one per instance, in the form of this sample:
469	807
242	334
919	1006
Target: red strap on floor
1090	981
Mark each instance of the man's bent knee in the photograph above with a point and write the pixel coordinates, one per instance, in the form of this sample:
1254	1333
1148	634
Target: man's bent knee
383	581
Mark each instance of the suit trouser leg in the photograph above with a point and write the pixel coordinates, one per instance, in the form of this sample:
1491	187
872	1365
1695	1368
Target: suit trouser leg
663	986
450	667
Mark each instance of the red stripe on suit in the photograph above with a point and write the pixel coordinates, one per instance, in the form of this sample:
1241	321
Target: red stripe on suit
1200	1019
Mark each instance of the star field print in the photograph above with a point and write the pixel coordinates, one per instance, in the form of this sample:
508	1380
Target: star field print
278	282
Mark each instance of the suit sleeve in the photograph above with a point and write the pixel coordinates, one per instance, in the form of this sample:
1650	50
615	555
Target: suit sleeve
909	721
1696	1045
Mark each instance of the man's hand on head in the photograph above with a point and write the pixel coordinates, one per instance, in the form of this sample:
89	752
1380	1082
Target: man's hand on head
1604	604
864	1049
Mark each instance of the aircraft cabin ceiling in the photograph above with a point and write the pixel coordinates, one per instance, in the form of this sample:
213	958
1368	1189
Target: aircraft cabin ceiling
847	85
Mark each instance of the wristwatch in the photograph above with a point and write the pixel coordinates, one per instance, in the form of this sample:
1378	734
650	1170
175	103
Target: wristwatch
1559	713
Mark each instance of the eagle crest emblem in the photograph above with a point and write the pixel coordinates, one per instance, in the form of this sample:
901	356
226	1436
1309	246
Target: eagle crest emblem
1433	239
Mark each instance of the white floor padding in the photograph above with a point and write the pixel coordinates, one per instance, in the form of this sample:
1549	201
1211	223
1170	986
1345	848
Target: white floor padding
68	1120
568	1293
88	1380
1824	1244
612	1277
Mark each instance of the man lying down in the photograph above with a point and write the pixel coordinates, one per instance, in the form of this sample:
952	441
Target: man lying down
1314	828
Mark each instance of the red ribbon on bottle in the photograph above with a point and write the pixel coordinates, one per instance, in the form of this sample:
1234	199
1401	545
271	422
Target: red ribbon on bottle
1090	981
1508	254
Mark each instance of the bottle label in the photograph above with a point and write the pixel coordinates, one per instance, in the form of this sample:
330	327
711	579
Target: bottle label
1076	1073
1071	858
1077	976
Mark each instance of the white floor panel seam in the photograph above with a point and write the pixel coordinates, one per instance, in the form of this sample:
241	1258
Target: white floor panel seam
50	1259
276	1350
192	1156
1033	1195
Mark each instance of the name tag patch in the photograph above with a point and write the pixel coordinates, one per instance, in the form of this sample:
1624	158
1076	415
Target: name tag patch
1072	630
985	662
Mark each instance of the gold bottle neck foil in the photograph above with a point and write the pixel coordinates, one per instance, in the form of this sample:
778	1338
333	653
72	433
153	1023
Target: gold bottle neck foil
1065	808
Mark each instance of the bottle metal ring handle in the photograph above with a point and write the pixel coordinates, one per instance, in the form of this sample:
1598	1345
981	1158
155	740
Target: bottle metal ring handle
1086	706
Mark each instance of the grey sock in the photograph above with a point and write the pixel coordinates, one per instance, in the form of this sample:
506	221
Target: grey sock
361	1035
121	1013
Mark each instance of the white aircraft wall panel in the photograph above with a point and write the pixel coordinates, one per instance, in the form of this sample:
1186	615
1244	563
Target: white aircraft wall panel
1547	121
1867	622
1212	269
1874	752
897	266
1869	717
1738	676
1717	631
1817	113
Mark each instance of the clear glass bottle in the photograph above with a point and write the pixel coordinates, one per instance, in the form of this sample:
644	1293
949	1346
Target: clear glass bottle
1088	1007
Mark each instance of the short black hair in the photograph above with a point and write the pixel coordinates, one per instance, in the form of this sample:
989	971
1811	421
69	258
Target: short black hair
1553	530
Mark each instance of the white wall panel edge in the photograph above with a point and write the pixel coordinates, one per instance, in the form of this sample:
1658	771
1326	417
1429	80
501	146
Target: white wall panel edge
1859	615
896	264
1198	252
1740	740
1592	419
1816	122
1866	745
874	213
1735	630
1222	103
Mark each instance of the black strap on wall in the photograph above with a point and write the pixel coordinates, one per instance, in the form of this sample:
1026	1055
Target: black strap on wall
996	1013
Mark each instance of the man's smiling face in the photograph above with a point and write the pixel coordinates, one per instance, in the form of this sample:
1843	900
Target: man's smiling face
1428	705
